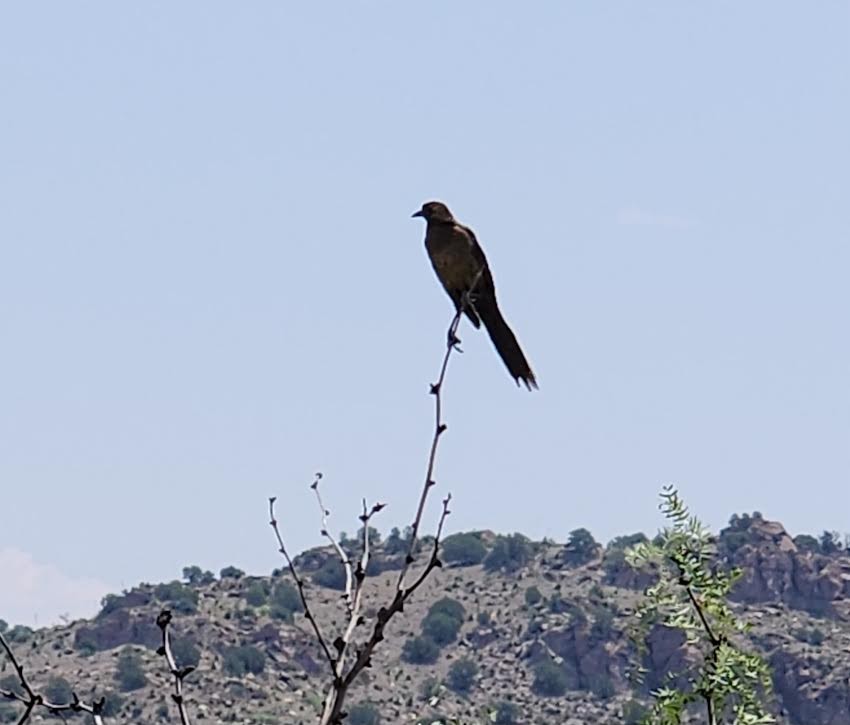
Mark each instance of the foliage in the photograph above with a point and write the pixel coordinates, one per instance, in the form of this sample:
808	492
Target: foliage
231	572
463	549
12	683
509	554
285	601
807	543
242	660
507	713
257	593
450	607
420	651
830	542
550	680
580	548
185	651
443	621
113	702
181	598
440	628
58	690
18	634
691	596
197	576
4	625
8	712
363	713
395	543
129	673
330	574
532	596
462	675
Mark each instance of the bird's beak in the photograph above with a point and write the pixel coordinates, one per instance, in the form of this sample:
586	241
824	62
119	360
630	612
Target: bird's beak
417	213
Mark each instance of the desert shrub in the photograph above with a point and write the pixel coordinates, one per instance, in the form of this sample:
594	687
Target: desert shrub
197	576
18	634
462	674
112	703
129	673
257	594
395	542
509	553
231	572
443	621
580	548
286	597
420	651
532	596
464	549
449	607
178	596
186	653
507	713
330	574
549	679
807	543
11	683
440	628
429	688
58	690
242	660
363	713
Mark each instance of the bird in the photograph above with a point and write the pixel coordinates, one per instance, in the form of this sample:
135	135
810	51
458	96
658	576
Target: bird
462	268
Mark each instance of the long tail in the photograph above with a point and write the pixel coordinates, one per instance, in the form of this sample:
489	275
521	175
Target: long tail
505	341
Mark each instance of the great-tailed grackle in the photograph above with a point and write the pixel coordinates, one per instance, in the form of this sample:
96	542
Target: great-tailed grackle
461	266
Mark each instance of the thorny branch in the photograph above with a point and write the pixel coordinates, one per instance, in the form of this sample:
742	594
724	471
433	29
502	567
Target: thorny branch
333	713
179	673
32	699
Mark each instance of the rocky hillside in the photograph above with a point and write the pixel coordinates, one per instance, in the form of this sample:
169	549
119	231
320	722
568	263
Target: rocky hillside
508	631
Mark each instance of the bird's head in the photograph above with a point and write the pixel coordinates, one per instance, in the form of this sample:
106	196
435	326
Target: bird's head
435	211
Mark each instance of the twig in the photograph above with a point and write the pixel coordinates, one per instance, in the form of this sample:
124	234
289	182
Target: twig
180	674
299	582
343	557
32	699
342	644
439	429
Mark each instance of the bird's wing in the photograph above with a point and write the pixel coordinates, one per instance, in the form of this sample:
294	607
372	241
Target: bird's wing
486	281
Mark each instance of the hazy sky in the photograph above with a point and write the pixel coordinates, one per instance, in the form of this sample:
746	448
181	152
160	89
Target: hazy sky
211	287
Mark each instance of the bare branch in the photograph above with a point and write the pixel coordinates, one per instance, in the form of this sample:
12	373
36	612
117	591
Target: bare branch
180	674
343	557
299	582
32	699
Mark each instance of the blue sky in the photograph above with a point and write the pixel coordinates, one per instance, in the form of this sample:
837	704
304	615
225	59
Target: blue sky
211	287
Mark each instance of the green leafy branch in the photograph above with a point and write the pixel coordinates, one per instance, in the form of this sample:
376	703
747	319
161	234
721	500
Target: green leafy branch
692	596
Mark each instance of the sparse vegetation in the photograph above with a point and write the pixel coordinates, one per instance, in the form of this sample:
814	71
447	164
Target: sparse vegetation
420	651
242	660
550	680
509	554
462	674
364	713
129	673
464	549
